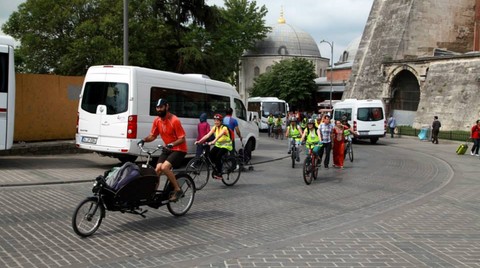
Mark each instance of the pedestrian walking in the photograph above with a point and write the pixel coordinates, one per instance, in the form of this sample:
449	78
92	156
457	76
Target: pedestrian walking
392	124
436	125
202	129
338	144
475	135
326	129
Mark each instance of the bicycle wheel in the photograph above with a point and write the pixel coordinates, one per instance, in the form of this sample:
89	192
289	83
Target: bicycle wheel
198	169
315	165
350	152
307	170
294	153
231	170
87	217
185	202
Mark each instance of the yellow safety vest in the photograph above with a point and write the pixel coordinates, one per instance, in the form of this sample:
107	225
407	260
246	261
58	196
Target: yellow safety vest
294	132
312	138
225	141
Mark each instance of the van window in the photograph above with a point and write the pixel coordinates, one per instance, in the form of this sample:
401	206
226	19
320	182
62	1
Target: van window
339	113
112	95
189	104
4	72
240	111
370	114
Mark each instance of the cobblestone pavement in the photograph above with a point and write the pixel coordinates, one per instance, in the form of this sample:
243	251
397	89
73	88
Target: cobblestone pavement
401	203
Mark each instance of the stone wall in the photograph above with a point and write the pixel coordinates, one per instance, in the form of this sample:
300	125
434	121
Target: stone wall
452	92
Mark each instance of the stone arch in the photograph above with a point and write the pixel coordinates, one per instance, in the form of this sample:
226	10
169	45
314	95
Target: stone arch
404	94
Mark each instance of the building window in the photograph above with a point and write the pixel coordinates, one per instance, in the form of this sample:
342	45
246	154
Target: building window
256	71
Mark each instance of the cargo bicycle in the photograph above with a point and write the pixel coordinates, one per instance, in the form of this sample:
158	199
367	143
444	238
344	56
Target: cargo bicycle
136	193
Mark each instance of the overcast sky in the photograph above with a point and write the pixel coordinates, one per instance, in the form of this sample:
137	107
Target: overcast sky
340	21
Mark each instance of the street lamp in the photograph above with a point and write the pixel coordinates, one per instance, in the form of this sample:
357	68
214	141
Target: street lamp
331	70
125	32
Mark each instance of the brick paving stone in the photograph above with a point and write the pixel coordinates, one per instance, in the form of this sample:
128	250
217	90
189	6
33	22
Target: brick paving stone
417	211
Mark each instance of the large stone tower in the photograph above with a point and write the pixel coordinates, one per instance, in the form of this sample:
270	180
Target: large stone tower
417	56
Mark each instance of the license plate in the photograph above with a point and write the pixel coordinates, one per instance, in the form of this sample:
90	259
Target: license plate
363	132
89	140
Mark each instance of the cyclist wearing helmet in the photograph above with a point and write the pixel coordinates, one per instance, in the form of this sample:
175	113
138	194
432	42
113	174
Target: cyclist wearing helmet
278	126
169	127
311	137
294	132
222	144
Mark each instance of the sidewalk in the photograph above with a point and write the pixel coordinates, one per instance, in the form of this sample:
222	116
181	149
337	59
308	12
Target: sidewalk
43	148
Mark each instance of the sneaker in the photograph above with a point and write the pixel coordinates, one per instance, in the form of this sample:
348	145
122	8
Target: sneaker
471	153
175	195
289	152
326	166
217	177
476	155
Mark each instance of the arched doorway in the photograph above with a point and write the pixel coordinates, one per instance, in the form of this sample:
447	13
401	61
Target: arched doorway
405	97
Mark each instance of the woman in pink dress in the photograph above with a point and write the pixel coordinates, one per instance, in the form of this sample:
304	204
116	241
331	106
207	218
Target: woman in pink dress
338	144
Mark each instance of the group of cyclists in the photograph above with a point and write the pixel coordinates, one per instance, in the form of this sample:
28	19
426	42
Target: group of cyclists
318	133
315	131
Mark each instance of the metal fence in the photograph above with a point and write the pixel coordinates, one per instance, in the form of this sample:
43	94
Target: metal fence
456	135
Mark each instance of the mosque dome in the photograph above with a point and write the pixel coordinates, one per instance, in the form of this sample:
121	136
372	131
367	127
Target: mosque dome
349	53
285	40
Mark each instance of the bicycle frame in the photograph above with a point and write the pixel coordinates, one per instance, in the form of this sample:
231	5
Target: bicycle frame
230	167
310	165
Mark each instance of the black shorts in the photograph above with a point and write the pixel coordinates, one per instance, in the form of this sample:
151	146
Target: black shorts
173	157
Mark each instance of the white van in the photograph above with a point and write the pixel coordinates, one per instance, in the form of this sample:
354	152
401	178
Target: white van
117	108
366	117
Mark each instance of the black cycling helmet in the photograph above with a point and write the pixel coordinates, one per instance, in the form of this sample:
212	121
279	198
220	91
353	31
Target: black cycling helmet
161	102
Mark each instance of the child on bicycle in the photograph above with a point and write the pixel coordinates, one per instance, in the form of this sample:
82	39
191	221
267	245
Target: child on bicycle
222	144
294	132
311	137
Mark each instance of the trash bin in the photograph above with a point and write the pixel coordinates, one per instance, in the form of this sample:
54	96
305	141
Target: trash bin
423	135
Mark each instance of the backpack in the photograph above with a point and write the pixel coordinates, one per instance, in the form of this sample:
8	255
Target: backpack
120	176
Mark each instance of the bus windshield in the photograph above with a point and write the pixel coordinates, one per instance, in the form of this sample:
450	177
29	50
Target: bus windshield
275	108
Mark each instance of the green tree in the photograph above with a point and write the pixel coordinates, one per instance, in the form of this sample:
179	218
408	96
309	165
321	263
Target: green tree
67	36
291	80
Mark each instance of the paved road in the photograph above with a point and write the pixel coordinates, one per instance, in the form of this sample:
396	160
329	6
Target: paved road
401	203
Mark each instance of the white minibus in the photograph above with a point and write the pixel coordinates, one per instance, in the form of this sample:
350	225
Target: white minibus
366	117
117	108
265	106
7	92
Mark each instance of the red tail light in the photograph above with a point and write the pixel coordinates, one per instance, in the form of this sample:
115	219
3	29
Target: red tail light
355	126
132	127
78	118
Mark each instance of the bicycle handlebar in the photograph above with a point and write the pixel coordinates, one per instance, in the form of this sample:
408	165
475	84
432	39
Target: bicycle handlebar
152	151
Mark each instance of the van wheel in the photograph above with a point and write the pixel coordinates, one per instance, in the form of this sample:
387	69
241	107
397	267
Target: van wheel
249	146
373	140
127	158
